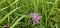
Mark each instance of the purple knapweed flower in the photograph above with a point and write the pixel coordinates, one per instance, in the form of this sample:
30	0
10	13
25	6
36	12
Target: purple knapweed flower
36	18
33	15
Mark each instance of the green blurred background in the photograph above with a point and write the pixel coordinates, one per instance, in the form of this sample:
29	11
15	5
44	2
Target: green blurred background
15	13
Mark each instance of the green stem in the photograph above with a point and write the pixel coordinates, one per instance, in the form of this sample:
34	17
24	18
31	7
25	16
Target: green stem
8	15
36	10
53	7
44	11
17	21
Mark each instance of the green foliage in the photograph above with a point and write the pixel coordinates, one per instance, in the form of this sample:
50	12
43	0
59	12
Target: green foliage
16	13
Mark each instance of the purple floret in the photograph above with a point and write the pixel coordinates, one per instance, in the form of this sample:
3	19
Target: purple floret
36	18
